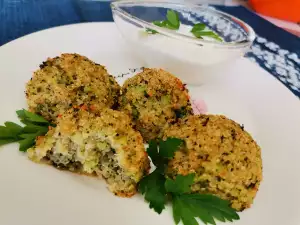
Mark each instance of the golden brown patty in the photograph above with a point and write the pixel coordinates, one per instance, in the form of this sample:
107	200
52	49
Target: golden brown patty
154	98
101	144
225	159
69	81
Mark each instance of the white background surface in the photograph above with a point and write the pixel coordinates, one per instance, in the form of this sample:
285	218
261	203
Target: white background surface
32	194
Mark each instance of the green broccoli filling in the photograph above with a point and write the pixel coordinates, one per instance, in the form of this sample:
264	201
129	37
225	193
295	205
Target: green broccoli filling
99	159
180	113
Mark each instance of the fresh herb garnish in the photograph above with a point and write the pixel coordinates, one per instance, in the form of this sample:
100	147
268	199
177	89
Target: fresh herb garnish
198	31
206	207
171	22
198	27
160	152
153	187
160	23
151	31
9	133
187	207
35	126
180	185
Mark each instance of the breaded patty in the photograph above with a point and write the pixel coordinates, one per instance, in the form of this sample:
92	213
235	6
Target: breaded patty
224	157
103	144
154	98
69	81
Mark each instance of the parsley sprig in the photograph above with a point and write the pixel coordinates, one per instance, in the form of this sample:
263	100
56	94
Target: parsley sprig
172	22
187	207
199	31
34	126
153	185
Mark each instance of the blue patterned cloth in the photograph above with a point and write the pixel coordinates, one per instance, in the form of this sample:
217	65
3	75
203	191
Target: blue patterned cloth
275	50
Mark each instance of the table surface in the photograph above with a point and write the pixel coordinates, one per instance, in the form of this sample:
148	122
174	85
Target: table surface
274	49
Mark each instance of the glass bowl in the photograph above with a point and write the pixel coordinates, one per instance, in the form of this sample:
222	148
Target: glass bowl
192	59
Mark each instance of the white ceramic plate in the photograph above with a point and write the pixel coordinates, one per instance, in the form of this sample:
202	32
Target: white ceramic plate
32	194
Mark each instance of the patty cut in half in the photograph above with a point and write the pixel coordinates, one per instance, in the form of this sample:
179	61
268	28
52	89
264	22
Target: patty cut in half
225	159
101	144
154	98
67	81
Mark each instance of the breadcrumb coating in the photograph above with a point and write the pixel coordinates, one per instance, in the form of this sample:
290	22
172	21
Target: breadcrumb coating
67	81
154	98
224	157
102	144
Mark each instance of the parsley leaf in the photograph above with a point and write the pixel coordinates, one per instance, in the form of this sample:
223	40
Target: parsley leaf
14	128
172	22
153	187
198	27
26	143
169	147
9	133
35	126
7	141
34	118
199	32
160	23
32	128
151	31
182	212
29	136
181	184
187	207
173	19
206	207
21	114
162	151
153	152
211	34
5	132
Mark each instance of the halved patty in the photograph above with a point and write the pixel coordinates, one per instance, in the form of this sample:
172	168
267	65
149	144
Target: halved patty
67	81
225	159
154	98
102	144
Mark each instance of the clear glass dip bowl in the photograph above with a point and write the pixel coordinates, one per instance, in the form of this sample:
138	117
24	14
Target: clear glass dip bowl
193	60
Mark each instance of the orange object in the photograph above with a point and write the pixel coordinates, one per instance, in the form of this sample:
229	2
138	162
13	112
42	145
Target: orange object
92	108
281	9
84	107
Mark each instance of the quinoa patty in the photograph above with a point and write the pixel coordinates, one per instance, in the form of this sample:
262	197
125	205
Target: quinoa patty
225	159
67	81
102	144
154	98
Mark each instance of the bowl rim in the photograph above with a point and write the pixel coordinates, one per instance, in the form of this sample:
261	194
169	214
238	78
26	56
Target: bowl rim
115	6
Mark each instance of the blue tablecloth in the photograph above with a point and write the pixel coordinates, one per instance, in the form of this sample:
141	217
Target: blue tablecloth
275	50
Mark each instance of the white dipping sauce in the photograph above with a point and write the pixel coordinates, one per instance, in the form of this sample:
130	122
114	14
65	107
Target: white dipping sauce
193	63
